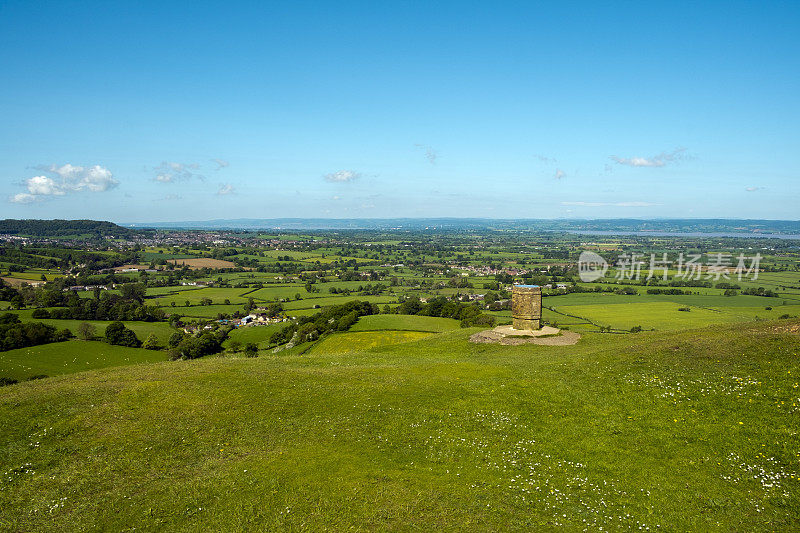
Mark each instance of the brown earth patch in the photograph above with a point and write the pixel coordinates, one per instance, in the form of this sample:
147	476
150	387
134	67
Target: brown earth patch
788	328
125	267
16	282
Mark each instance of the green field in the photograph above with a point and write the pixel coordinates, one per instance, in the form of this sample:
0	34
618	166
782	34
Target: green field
257	334
217	295
340	343
335	300
661	312
71	356
674	431
162	330
405	322
204	311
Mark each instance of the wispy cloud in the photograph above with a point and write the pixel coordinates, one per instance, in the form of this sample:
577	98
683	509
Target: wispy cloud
171	171
609	204
221	163
545	159
23	198
660	160
225	189
171	198
63	180
753	189
342	176
430	152
560	174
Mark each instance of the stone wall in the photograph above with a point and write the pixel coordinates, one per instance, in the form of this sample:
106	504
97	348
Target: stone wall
526	307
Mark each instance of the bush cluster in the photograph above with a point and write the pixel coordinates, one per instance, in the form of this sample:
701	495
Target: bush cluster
15	334
184	346
334	318
469	314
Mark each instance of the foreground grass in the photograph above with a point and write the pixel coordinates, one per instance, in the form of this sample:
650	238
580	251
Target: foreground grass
680	430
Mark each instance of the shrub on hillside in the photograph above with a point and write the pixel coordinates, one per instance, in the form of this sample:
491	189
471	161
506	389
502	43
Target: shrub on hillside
334	318
86	331
15	334
190	347
251	349
40	313
151	342
480	320
118	334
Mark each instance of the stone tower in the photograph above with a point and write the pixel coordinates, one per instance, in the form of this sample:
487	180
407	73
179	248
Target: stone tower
526	307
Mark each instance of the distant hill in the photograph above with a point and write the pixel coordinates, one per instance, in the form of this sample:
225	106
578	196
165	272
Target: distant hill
61	228
698	225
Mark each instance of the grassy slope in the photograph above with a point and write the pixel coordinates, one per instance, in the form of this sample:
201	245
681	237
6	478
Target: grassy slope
683	430
257	334
69	357
340	343
405	323
142	329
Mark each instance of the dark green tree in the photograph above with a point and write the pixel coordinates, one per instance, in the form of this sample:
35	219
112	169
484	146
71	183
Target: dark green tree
117	333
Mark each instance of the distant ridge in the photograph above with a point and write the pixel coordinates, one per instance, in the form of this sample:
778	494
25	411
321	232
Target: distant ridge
698	225
61	228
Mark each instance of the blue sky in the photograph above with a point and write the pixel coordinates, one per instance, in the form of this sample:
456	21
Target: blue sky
160	111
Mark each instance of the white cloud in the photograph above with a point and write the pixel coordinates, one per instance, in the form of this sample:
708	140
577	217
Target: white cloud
171	171
609	204
225	189
659	160
560	174
77	178
545	159
430	152
44	186
753	189
66	179
221	163
23	198
342	176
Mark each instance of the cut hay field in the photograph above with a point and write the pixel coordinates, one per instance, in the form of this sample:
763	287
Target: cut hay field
68	357
692	430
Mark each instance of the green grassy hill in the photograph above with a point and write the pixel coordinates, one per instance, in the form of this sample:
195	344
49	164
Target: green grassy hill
69	357
688	430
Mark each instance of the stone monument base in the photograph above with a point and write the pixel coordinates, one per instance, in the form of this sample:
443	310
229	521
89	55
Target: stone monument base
509	336
510	331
